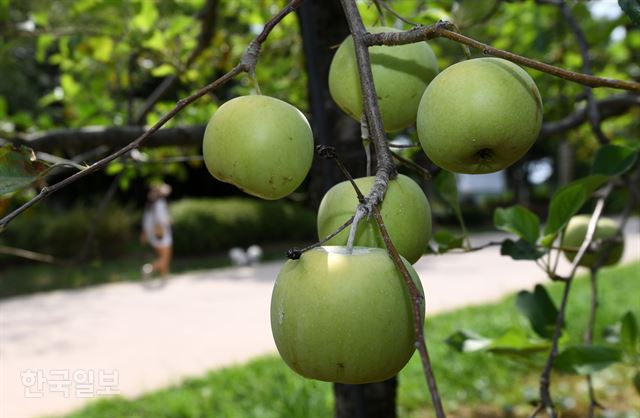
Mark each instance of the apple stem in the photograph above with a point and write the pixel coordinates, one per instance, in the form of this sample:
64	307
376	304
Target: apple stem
366	142
357	217
295	253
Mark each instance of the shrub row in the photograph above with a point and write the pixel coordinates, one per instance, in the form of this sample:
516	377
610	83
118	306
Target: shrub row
61	232
200	226
209	225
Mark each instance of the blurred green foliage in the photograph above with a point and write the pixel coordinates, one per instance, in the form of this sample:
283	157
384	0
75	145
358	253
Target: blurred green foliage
61	232
203	226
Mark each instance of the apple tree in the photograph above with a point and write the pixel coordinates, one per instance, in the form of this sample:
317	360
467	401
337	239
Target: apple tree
350	308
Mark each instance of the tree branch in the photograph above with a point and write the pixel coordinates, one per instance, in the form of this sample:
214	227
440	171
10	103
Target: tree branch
594	115
611	106
386	170
447	30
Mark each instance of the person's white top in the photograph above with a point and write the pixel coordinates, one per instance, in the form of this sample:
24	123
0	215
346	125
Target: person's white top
157	214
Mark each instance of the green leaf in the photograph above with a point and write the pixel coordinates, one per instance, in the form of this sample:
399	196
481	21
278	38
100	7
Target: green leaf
586	359
447	188
467	341
636	382
163	70
147	16
520	250
18	168
629	338
516	341
102	48
539	309
518	220
447	241
613	160
69	85
566	202
631	9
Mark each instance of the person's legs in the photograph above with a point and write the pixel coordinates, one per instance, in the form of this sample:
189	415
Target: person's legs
161	265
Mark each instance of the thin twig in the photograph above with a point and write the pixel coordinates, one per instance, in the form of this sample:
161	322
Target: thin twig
416	167
247	64
295	253
545	377
588	336
31	255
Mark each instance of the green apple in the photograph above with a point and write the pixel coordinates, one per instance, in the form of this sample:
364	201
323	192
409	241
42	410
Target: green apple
260	144
468	12
576	232
405	211
341	317
400	74
479	116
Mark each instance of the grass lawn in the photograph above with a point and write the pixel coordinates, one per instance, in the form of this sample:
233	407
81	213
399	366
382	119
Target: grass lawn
472	385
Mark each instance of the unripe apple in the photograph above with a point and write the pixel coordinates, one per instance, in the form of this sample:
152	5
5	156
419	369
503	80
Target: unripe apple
405	211
479	116
400	74
341	317
260	144
576	232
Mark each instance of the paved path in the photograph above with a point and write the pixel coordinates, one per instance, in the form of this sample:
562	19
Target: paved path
199	321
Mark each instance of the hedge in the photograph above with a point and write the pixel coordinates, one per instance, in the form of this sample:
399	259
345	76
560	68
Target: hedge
202	226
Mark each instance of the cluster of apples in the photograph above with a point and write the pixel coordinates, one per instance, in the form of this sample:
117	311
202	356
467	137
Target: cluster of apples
346	315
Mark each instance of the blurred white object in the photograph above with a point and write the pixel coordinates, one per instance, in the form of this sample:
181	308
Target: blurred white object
254	254
491	184
238	257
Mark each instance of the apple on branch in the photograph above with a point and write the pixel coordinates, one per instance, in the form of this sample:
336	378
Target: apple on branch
260	144
479	116
400	75
405	211
344	317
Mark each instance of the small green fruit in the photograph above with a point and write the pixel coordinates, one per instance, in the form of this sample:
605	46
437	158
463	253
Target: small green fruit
479	116
342	317
260	144
576	232
400	74
405	211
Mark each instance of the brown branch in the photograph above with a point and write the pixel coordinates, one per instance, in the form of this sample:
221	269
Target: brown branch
247	64
417	299
208	17
386	170
447	30
545	378
412	165
73	141
611	106
31	255
594	115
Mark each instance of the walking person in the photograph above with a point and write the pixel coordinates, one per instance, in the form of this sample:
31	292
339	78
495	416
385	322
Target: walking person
156	230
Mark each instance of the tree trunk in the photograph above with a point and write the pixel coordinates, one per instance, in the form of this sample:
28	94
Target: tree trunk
323	28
